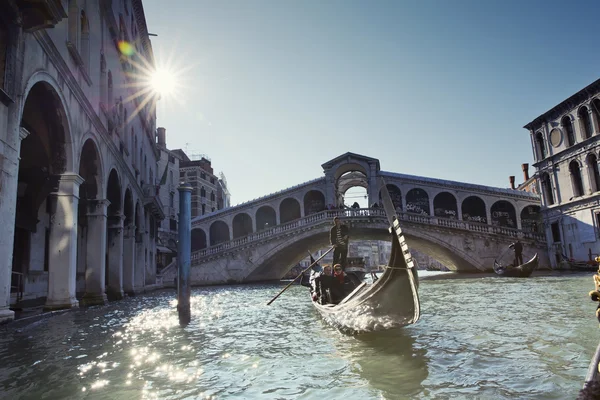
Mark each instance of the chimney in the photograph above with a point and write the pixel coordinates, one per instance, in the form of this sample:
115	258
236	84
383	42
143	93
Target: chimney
512	181
525	168
162	139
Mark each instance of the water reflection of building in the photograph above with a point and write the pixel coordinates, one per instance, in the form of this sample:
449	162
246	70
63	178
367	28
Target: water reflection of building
566	144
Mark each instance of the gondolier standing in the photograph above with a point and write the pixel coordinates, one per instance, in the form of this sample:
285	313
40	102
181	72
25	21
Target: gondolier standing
338	237
518	248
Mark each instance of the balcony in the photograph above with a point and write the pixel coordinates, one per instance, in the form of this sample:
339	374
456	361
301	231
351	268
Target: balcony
152	201
41	14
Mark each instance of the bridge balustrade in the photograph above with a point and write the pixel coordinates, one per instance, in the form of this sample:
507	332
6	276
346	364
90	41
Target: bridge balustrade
327	216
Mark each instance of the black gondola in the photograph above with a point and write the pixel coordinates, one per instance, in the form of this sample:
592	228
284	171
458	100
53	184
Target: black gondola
521	271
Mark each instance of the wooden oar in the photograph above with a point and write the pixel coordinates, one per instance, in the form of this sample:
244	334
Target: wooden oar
301	273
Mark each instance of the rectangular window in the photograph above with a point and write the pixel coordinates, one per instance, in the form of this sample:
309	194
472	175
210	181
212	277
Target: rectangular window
555	232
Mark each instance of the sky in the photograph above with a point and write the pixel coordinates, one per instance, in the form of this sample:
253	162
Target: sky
270	90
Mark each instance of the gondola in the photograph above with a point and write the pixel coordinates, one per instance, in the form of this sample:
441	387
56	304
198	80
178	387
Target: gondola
521	271
391	301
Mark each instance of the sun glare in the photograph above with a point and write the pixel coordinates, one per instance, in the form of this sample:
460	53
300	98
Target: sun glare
163	82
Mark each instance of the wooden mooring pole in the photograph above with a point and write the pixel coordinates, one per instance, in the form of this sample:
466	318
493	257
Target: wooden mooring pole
184	253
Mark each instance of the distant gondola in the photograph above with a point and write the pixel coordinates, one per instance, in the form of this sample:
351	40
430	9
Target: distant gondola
521	271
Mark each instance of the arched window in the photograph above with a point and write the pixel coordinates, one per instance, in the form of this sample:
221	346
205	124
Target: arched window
585	123
212	196
202	192
568	128
540	146
202	175
592	162
576	181
547	189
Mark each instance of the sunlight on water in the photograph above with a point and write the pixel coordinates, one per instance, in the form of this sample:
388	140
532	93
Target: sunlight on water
479	338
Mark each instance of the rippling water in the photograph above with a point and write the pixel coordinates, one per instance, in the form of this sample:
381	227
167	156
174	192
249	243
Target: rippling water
489	338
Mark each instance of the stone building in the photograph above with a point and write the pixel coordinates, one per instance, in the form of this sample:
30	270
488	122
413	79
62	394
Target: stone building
566	145
78	155
205	184
168	167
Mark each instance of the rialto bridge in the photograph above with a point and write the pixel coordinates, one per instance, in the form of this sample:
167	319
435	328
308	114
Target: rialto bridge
463	225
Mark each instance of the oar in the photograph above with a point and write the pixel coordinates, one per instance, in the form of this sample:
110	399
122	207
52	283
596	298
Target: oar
301	273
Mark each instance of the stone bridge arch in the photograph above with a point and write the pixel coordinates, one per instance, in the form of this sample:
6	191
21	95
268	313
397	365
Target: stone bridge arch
279	258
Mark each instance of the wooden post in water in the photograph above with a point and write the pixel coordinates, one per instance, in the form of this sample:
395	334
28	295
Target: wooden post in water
184	253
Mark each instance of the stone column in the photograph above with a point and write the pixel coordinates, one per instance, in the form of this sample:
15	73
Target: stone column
95	257
115	257
555	187
129	260
140	262
431	209
9	172
62	263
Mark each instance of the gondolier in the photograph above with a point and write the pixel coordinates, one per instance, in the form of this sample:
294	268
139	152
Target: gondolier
338	237
518	248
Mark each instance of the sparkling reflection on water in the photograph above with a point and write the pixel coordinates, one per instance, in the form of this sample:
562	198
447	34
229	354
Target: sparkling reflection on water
478	338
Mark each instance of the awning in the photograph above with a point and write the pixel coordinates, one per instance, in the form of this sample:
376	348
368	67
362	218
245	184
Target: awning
163	249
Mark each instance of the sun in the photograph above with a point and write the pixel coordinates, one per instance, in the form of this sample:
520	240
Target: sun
163	82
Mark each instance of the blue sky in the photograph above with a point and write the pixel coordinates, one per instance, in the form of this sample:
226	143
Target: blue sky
441	89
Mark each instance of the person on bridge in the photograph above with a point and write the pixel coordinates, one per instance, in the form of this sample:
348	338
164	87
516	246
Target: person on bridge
518	248
338	237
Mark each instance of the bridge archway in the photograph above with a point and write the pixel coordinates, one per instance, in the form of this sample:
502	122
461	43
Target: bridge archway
353	179
265	218
531	219
445	205
504	214
473	210
395	195
276	262
314	202
241	225
417	202
198	239
289	210
219	233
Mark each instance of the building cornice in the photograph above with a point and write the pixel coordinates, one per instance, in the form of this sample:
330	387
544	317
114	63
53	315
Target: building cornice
565	106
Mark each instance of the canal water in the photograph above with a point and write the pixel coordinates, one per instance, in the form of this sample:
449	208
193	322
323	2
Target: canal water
485	338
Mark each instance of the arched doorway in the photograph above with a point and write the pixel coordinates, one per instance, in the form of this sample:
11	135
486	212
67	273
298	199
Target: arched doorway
45	154
473	210
265	218
417	202
352	189
503	214
198	239
531	219
445	205
219	233
395	194
314	202
289	210
241	225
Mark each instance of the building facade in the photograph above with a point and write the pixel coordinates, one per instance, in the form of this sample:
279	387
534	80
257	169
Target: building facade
78	155
168	166
205	184
566	147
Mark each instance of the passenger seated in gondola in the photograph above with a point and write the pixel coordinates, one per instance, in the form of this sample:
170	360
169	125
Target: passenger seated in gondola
321	284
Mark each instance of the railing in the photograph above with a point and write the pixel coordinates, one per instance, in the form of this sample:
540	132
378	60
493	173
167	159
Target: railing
327	216
19	286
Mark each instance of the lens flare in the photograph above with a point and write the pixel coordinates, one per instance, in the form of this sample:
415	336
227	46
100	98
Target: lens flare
126	48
